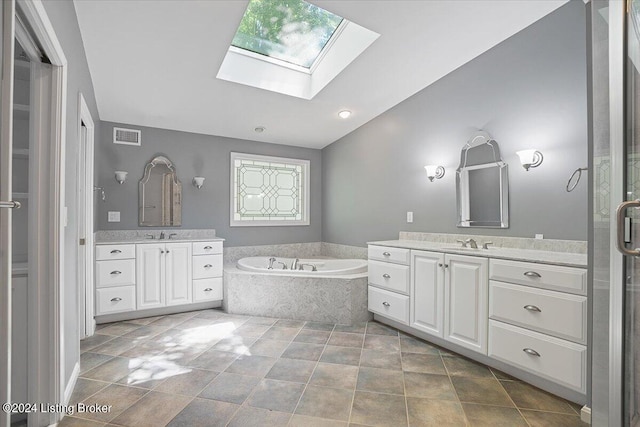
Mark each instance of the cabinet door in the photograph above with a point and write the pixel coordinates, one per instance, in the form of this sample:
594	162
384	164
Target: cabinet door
427	292
150	261
466	301
178	273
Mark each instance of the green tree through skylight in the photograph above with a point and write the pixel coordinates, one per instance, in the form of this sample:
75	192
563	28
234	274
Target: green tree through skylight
289	30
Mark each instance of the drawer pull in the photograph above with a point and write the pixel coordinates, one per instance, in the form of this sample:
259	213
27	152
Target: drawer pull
208	247
386	304
531	352
532	274
116	299
532	308
386	276
116	251
386	254
116	272
208	290
208	266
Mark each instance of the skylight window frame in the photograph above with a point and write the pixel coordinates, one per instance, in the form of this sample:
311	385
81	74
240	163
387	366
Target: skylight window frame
282	63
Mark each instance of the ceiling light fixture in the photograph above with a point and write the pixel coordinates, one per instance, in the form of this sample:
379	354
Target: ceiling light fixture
344	114
260	129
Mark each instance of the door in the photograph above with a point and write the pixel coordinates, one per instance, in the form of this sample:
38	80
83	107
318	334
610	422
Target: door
466	301
150	277
178	273
427	290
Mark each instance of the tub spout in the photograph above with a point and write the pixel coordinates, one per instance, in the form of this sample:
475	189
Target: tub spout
294	264
313	267
284	266
271	261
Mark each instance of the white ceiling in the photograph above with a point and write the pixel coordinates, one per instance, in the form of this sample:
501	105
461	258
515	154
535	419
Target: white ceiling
153	63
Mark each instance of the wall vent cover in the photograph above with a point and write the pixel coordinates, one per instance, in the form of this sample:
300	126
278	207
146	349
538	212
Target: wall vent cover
127	136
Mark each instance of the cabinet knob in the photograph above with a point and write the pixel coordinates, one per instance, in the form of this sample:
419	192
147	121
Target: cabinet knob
208	290
386	276
208	266
386	254
116	272
531	352
116	251
161	251
532	308
386	304
440	264
446	266
166	251
116	299
532	274
208	247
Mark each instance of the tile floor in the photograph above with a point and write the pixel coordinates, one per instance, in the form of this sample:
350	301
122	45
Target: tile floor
207	368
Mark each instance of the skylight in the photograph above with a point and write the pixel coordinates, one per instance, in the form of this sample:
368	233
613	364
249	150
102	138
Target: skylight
293	31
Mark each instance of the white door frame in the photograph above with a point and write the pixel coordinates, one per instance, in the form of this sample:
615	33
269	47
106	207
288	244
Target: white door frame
85	251
47	219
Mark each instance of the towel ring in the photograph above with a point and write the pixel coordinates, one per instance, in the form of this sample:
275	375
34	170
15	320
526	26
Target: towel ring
577	172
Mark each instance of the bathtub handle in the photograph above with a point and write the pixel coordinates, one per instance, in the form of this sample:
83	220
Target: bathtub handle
386	276
208	290
208	266
386	254
386	304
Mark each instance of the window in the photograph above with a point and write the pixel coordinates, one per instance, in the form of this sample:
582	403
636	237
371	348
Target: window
269	190
294	31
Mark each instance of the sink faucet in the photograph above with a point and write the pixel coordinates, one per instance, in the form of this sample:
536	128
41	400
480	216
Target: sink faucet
151	236
294	264
162	235
172	234
473	243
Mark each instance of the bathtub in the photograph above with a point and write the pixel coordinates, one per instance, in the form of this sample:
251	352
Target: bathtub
333	267
335	293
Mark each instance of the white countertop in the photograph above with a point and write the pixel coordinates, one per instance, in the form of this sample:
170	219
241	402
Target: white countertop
542	257
139	241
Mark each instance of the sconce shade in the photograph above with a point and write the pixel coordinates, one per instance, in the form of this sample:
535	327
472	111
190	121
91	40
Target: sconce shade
434	172
121	176
531	158
198	182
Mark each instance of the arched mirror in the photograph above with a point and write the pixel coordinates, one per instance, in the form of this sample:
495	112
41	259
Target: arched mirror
482	184
160	195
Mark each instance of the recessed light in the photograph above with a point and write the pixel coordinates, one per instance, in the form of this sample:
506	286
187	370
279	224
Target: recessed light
344	114
260	129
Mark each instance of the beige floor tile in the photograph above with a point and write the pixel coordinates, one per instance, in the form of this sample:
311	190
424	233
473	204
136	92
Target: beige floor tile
69	421
459	366
214	360
292	370
265	347
346	339
526	396
429	386
267	321
380	381
230	388
257	366
304	421
189	383
85	388
256	417
319	326
381	359
481	390
119	328
312	336
145	332
328	403
116	397
279	333
89	360
546	419
287	323
303	351
94	341
153	410
493	416
357	328
251	330
113	369
341	355
335	376
414	345
375	409
382	342
115	346
235	344
434	413
375	328
204	413
276	395
425	363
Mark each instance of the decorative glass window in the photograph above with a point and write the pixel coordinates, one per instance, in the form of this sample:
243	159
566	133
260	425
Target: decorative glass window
269	190
293	31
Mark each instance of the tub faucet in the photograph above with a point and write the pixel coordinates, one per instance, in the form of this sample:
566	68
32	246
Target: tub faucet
313	267
284	266
473	243
294	264
271	261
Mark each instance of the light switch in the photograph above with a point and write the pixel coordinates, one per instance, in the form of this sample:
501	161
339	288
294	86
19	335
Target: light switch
539	236
113	216
409	216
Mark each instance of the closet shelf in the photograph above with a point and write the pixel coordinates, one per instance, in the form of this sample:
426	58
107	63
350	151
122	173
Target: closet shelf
20	196
21	153
21	111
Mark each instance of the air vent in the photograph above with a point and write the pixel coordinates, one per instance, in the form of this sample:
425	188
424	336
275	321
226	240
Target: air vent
126	136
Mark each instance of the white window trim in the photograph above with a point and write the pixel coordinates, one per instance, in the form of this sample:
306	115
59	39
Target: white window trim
306	170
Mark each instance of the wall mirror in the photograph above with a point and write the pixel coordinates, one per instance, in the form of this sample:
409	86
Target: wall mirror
160	195
482	184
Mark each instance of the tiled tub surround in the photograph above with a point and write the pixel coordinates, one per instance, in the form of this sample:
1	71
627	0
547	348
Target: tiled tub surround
214	369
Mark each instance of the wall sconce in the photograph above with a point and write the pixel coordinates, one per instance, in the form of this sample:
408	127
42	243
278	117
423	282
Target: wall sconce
121	176
198	182
434	171
530	158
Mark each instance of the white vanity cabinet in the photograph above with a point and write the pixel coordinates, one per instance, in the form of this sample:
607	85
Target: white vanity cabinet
115	278
389	274
164	274
449	297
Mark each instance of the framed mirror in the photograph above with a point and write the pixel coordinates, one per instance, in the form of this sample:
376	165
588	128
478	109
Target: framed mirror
160	195
482	184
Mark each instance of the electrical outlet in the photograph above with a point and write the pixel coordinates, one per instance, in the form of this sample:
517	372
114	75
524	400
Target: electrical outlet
539	236
409	216
113	216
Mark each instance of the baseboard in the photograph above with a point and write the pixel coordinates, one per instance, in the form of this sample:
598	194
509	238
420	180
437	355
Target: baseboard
585	414
68	391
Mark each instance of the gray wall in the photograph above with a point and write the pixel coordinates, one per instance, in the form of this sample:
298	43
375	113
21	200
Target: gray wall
62	15
197	155
527	92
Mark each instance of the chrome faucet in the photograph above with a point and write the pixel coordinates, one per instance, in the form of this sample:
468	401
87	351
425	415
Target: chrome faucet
464	244
162	235
485	245
172	234
151	236
301	267
284	266
271	261
473	243
294	264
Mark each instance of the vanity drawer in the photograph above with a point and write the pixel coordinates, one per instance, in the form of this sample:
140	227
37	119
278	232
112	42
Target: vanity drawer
117	272
565	279
106	252
207	248
115	300
207	290
389	304
562	315
560	361
389	276
385	253
207	266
